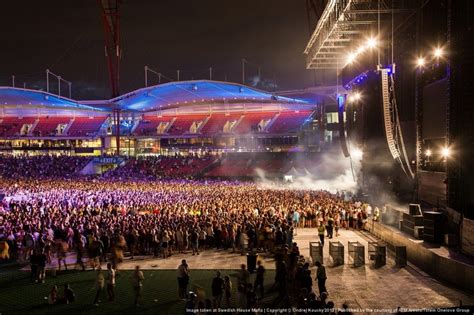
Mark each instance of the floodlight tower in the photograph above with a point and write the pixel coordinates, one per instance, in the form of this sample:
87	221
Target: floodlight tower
111	18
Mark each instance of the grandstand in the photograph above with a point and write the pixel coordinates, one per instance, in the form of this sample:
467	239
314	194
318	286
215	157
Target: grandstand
176	117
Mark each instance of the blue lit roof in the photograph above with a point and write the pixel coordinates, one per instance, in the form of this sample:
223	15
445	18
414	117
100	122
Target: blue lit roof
176	94
13	97
159	97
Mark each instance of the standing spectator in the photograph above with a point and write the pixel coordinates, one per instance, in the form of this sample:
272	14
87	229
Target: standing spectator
110	282
244	275
34	266
137	283
227	290
195	242
321	277
330	227
296	220
4	250
321	230
42	258
217	290
183	279
99	283
259	280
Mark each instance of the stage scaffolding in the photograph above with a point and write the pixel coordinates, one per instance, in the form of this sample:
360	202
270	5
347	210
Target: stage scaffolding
343	25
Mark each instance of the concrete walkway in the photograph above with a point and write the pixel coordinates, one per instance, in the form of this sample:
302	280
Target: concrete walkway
364	287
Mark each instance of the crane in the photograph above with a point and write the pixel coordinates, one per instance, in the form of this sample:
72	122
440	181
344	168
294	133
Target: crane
111	23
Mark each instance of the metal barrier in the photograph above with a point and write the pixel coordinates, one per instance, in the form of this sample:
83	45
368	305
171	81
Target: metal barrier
378	253
316	252
336	252
356	254
400	256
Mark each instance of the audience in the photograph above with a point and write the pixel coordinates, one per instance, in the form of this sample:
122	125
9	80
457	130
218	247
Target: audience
138	210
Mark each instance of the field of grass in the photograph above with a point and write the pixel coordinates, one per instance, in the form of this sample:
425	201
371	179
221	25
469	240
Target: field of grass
18	295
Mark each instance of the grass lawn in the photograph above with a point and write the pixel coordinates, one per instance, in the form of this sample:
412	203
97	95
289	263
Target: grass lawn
160	292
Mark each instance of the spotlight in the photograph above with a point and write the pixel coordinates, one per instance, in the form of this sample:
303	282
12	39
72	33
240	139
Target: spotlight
350	58
357	153
446	152
360	50
438	52
428	153
350	99
371	42
357	96
420	62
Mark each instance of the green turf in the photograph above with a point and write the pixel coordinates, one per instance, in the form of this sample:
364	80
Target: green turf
19	296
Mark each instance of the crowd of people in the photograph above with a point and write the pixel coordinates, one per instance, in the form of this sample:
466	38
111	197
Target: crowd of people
102	220
153	167
41	166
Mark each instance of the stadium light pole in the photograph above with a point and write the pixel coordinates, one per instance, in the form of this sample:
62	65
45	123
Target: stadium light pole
47	80
146	76
243	70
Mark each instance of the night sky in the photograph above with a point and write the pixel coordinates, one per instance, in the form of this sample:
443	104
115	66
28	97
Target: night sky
67	37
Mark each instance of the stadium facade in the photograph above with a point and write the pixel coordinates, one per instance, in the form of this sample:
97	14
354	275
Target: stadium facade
183	116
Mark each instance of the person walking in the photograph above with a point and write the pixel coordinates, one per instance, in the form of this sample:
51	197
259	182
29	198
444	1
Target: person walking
227	290
259	279
183	279
330	226
321	277
217	290
243	276
321	230
99	283
137	283
110	282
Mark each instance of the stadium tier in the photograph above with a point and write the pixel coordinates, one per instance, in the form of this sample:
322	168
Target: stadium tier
209	115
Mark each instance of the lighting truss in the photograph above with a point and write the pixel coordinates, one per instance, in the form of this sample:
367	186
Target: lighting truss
342	25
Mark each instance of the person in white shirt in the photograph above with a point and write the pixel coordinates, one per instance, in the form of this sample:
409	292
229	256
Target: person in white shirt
110	282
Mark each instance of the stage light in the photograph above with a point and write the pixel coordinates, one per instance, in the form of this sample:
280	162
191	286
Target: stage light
360	50
357	96
420	62
446	152
371	42
357	153
428	153
438	52
350	58
350	99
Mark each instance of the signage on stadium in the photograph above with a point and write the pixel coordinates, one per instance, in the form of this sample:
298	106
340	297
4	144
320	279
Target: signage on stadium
108	160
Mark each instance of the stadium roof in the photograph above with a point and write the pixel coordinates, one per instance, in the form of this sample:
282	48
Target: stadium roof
184	93
159	97
14	97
